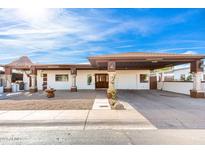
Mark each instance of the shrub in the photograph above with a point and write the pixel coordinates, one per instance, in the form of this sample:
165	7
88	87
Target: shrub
112	92
89	79
113	102
189	78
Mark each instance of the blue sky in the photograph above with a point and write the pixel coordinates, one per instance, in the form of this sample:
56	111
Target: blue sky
71	35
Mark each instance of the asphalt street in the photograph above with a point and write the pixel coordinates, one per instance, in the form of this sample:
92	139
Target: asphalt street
62	135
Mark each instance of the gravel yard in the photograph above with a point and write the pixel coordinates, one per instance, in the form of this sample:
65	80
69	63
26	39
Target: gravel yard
64	100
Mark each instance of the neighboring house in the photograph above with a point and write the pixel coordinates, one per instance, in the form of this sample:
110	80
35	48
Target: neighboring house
16	74
182	72
124	71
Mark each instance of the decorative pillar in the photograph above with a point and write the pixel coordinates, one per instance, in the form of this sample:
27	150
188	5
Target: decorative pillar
162	77
112	74
73	76
197	81
197	72
33	87
8	76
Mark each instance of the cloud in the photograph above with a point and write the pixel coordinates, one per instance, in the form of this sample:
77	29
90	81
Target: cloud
70	35
190	52
180	49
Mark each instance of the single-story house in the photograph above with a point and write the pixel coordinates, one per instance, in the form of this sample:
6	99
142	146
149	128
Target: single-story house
133	70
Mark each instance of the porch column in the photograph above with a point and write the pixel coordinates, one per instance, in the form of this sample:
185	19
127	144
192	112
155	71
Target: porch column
33	87
197	81
112	73
73	76
8	76
162	77
197	72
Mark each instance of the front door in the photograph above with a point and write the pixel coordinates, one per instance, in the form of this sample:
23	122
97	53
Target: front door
101	80
153	82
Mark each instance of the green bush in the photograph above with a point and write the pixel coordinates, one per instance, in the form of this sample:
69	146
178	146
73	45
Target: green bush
89	79
189	78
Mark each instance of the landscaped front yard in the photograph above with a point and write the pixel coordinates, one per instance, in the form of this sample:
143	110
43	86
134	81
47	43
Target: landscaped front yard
64	100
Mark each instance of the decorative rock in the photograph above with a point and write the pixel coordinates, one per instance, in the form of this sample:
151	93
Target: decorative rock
118	106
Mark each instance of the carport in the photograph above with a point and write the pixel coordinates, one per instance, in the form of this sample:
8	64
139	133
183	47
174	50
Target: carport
152	61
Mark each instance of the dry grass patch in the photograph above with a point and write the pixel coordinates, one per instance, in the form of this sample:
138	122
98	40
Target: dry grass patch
73	104
63	100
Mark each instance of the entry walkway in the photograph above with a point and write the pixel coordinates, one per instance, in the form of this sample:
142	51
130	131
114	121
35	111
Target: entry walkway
101	101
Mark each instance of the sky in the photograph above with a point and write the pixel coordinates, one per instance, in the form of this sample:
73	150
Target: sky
67	36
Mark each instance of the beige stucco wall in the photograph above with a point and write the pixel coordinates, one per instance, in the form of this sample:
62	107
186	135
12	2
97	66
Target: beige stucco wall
125	79
178	87
51	83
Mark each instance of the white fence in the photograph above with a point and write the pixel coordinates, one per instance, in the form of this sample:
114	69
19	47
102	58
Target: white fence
178	87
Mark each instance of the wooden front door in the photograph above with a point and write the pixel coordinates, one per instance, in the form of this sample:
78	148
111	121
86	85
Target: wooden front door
153	82
101	80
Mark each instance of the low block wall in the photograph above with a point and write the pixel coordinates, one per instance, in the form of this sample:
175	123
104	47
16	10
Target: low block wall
178	87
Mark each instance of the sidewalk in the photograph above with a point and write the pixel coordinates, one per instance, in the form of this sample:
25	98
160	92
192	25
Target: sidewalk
77	119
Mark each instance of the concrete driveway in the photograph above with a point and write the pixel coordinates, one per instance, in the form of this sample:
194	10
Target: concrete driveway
166	110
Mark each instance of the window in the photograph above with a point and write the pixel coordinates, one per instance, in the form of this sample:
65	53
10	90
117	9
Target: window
204	77
61	77
182	77
143	78
89	79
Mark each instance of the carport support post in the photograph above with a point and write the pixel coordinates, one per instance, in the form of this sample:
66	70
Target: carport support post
33	75
73	76
8	76
197	81
162	77
197	71
112	74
